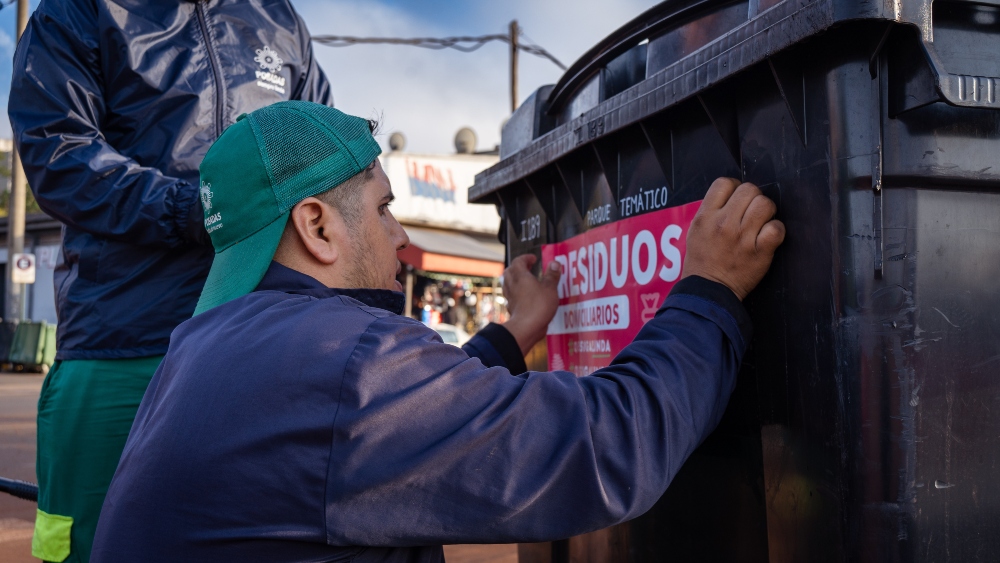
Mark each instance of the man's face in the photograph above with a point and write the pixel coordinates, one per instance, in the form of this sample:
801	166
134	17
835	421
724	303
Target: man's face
375	237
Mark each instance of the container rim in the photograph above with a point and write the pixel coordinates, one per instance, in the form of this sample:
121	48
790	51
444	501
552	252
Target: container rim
651	22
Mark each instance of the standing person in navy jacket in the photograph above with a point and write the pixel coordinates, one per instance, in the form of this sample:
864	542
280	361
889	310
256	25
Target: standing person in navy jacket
299	417
113	105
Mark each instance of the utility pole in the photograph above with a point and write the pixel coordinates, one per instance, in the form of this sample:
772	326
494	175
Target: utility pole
514	32
15	209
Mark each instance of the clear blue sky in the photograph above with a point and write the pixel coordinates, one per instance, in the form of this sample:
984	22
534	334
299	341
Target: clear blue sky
8	24
429	95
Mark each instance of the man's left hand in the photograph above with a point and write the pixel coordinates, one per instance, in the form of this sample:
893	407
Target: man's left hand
532	302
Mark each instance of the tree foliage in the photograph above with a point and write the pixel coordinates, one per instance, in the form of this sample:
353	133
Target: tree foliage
31	206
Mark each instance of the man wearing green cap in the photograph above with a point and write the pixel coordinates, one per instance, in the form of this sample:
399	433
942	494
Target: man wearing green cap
300	417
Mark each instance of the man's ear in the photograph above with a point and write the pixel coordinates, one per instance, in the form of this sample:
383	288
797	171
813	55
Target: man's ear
320	229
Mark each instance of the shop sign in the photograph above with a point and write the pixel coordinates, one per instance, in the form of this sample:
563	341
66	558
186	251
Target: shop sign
431	181
434	191
615	277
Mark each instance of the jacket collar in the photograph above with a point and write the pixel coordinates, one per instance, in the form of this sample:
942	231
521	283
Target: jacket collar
281	278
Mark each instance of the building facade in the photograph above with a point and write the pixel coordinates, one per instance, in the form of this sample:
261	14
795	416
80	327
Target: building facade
453	265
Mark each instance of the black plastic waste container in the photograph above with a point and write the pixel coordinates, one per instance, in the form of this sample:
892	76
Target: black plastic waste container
866	421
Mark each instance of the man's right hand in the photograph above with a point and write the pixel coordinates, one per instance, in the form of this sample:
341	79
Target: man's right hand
733	236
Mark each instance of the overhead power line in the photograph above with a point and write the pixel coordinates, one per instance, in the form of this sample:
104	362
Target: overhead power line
465	44
426	42
538	51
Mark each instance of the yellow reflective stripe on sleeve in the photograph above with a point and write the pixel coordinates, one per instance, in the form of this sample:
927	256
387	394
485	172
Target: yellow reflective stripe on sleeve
51	539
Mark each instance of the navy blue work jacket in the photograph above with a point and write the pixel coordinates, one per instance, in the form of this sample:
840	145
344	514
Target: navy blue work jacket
300	423
113	105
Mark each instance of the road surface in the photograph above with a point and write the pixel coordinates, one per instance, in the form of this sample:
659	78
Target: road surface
18	403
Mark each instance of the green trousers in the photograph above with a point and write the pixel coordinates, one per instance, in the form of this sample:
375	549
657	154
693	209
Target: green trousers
85	412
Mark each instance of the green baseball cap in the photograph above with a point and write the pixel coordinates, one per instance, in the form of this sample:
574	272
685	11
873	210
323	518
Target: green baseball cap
261	166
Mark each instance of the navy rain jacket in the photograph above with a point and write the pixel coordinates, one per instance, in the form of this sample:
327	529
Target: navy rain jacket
113	104
301	423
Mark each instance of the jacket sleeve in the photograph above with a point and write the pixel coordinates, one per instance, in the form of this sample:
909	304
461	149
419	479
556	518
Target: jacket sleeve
449	451
312	84
56	109
495	346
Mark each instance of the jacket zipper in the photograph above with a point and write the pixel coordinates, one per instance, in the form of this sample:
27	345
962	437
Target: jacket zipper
216	74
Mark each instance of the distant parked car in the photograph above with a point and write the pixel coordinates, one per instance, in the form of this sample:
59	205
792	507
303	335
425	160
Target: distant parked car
451	334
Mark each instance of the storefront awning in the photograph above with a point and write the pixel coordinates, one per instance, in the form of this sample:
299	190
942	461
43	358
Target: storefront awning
448	252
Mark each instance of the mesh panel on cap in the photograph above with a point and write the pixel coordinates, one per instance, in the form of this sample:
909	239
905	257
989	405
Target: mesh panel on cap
301	145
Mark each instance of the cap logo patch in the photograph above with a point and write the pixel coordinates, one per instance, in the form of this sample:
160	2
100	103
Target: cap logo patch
206	196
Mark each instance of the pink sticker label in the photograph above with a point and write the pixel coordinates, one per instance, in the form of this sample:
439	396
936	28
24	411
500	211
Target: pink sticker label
615	277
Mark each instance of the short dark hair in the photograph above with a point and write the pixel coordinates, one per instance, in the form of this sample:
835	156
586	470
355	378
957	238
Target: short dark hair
344	197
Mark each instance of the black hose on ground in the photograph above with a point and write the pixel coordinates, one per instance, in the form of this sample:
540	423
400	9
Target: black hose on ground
20	489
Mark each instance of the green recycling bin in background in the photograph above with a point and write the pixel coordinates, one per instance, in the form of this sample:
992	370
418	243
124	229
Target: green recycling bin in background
33	345
865	426
7	330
